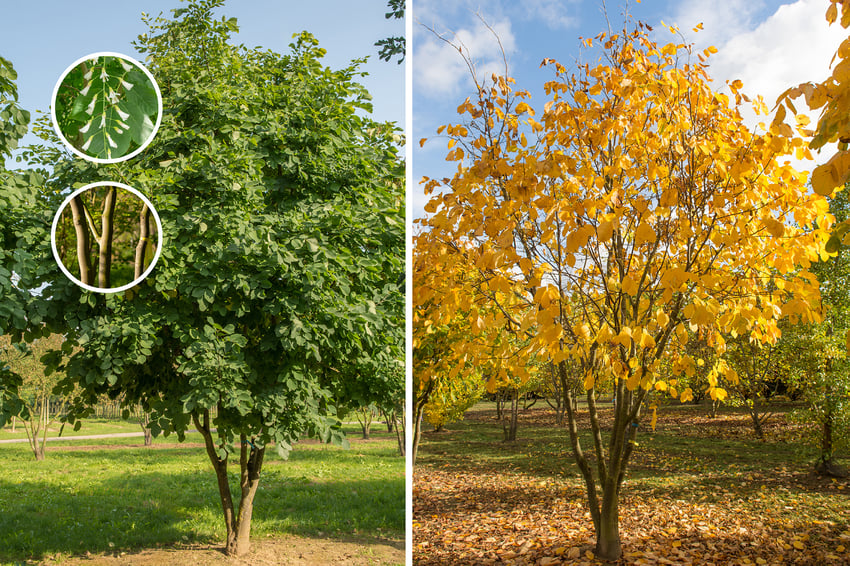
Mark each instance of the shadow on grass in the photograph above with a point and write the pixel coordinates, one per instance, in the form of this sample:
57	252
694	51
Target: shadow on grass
100	501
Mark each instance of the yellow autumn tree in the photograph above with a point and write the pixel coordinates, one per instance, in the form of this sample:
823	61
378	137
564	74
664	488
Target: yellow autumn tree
460	332
832	98
635	205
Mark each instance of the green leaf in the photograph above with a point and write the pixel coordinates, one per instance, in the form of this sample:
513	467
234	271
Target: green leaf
114	110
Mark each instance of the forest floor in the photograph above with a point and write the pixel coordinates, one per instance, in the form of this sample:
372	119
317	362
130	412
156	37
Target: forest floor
699	491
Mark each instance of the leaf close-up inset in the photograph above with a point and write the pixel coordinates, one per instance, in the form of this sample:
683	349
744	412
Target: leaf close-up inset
106	107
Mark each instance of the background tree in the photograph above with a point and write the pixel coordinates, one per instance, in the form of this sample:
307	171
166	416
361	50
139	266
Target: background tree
819	354
755	377
276	296
450	399
637	207
39	407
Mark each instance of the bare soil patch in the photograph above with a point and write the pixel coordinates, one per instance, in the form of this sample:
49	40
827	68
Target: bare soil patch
286	550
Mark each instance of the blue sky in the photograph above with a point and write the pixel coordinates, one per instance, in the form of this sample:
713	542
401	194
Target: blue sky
769	45
42	37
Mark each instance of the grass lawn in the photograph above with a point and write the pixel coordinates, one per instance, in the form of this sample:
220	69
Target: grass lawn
89	426
100	498
699	490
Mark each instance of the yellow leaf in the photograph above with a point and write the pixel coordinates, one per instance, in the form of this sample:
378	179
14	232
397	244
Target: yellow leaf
644	233
824	179
799	545
647	341
589	380
605	230
775	227
624	338
832	13
630	286
634	380
718	394
687	395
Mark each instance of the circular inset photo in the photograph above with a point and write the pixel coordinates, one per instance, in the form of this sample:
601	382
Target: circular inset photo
106	107
106	237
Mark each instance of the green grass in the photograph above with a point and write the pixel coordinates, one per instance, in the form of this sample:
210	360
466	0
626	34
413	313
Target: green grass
130	498
89	426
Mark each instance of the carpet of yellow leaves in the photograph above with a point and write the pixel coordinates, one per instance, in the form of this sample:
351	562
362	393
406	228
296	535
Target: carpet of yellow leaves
468	514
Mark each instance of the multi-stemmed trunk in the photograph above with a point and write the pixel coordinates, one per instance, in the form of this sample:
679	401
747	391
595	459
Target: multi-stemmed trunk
604	479
237	520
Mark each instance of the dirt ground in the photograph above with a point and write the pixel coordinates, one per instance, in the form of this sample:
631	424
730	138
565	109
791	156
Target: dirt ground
288	550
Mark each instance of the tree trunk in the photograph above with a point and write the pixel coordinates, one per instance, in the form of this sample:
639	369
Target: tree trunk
83	243
713	412
758	418
610	465
398	425
608	535
365	422
237	524
826	464
104	264
419	402
142	246
509	418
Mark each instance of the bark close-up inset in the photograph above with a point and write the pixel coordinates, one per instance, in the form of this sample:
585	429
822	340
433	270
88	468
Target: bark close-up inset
105	237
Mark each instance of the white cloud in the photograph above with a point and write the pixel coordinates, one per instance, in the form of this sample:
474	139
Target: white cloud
555	14
440	70
791	46
721	19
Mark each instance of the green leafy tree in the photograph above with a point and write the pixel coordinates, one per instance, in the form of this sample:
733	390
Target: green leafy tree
275	299
393	46
758	372
22	223
819	353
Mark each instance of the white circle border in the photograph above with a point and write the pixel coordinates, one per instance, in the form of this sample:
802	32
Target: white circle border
134	282
55	121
